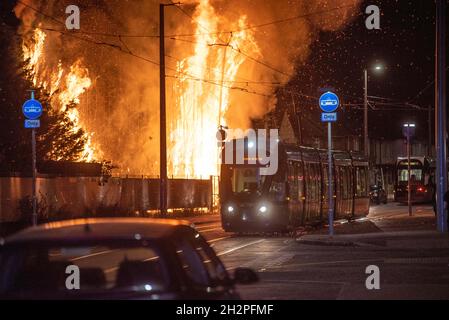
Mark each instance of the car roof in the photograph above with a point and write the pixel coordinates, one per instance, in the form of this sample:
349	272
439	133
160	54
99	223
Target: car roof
94	229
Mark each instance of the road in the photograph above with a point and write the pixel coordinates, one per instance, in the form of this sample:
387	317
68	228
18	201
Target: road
413	264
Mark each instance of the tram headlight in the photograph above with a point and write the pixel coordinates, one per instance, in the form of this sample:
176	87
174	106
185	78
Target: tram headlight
230	209
263	210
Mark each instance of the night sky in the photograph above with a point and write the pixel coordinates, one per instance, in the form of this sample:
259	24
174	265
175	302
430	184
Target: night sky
405	45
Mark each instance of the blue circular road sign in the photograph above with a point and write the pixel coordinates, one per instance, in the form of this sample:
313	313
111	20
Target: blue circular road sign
32	109
329	102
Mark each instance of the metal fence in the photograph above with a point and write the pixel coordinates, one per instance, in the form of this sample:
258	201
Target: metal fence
66	197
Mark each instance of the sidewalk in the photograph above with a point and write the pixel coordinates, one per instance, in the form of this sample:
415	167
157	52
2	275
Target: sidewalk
386	226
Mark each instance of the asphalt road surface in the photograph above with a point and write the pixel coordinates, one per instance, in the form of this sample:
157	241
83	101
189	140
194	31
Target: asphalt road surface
411	267
413	262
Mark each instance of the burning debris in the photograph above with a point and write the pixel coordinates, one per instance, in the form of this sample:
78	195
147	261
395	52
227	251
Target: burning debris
225	62
65	86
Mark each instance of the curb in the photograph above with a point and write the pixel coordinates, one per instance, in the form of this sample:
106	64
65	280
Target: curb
329	243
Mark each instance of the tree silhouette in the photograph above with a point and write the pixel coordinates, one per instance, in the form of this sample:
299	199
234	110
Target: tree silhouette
57	138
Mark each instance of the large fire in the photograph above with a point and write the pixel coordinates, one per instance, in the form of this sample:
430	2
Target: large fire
202	104
64	84
215	77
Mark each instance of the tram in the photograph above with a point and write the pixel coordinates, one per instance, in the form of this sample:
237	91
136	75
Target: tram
422	179
297	194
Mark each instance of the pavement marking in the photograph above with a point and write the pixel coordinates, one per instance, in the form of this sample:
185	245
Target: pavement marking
279	261
418	260
209	230
218	239
116	268
305	281
92	255
331	262
207	225
240	247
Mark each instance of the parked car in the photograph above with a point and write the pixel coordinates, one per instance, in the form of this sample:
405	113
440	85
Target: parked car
115	258
378	195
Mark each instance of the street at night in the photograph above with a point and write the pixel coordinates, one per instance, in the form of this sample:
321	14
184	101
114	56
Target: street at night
413	259
220	157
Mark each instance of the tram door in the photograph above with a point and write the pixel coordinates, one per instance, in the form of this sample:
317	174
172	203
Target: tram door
361	198
296	192
312	174
344	189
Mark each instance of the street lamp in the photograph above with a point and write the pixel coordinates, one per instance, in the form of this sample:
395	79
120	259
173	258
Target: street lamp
409	131
377	68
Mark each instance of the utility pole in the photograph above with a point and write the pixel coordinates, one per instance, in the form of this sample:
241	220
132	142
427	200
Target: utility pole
331	180
409	191
223	70
33	167
440	115
365	116
409	131
162	116
298	119
429	131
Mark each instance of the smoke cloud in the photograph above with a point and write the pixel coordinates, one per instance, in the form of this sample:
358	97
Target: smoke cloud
121	108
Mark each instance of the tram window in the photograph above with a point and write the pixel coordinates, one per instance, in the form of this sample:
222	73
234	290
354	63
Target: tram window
403	174
361	180
247	180
350	182
342	182
310	181
317	180
345	182
300	171
293	180
325	180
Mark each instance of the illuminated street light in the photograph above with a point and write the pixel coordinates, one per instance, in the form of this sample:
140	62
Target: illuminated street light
377	68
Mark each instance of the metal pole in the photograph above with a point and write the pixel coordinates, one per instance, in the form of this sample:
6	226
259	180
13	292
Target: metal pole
162	116
429	131
297	118
33	167
331	191
365	116
409	196
440	115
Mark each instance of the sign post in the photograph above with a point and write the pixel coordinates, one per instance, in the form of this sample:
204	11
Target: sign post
409	132
329	103
32	110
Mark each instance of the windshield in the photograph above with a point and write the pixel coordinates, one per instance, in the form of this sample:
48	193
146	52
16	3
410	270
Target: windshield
415	175
247	180
416	171
54	270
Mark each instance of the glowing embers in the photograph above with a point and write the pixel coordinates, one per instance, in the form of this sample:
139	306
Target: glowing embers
64	85
201	105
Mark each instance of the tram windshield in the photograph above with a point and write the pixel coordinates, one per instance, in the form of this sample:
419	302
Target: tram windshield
416	171
247	180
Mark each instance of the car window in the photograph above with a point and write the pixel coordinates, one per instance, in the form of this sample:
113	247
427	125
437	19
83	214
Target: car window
191	263
101	268
216	271
200	263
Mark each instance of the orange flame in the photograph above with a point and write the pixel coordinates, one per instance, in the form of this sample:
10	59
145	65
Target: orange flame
203	104
67	87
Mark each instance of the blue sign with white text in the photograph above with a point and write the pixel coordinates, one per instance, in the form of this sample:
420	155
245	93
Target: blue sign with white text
329	102
32	124
328	117
32	109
